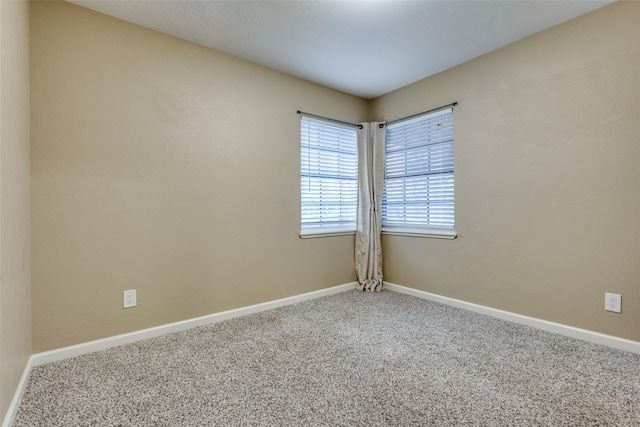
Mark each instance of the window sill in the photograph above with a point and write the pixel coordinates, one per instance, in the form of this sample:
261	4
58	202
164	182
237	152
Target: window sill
317	234
432	233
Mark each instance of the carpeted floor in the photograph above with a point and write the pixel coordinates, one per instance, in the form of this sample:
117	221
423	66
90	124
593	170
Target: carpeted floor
351	359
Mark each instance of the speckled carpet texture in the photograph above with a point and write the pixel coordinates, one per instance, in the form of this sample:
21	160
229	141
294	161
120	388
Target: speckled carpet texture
350	359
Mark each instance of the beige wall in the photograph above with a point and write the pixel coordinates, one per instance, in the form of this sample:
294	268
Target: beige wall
161	166
165	167
547	157
15	252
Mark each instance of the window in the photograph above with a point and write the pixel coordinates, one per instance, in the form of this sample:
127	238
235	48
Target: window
418	187
328	178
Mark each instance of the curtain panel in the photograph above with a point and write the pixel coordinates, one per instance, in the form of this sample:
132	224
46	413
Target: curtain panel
368	250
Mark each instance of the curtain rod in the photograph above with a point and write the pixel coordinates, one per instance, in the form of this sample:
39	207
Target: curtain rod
453	104
381	125
359	126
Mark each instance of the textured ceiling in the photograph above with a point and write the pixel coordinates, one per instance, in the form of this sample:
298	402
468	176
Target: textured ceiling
363	47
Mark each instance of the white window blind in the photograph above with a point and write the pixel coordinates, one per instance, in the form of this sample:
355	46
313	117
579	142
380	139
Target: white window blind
328	177
418	187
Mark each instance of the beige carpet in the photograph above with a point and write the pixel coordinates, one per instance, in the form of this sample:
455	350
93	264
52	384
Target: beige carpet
351	359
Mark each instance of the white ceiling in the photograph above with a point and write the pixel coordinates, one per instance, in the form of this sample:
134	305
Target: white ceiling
363	47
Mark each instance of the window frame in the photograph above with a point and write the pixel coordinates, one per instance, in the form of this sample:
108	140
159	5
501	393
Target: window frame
424	229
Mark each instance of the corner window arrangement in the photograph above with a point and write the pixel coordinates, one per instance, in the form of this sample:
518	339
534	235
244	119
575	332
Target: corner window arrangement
418	185
328	177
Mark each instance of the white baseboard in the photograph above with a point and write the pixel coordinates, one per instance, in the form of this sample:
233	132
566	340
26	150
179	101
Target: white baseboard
102	344
17	396
89	347
558	328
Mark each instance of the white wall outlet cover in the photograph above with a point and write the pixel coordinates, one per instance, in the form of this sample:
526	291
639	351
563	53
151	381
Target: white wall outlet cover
129	298
612	302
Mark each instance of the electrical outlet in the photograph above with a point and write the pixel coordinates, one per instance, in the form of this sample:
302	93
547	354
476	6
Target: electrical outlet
130	298
612	302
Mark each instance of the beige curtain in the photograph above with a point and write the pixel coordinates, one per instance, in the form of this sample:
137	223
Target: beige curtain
369	221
